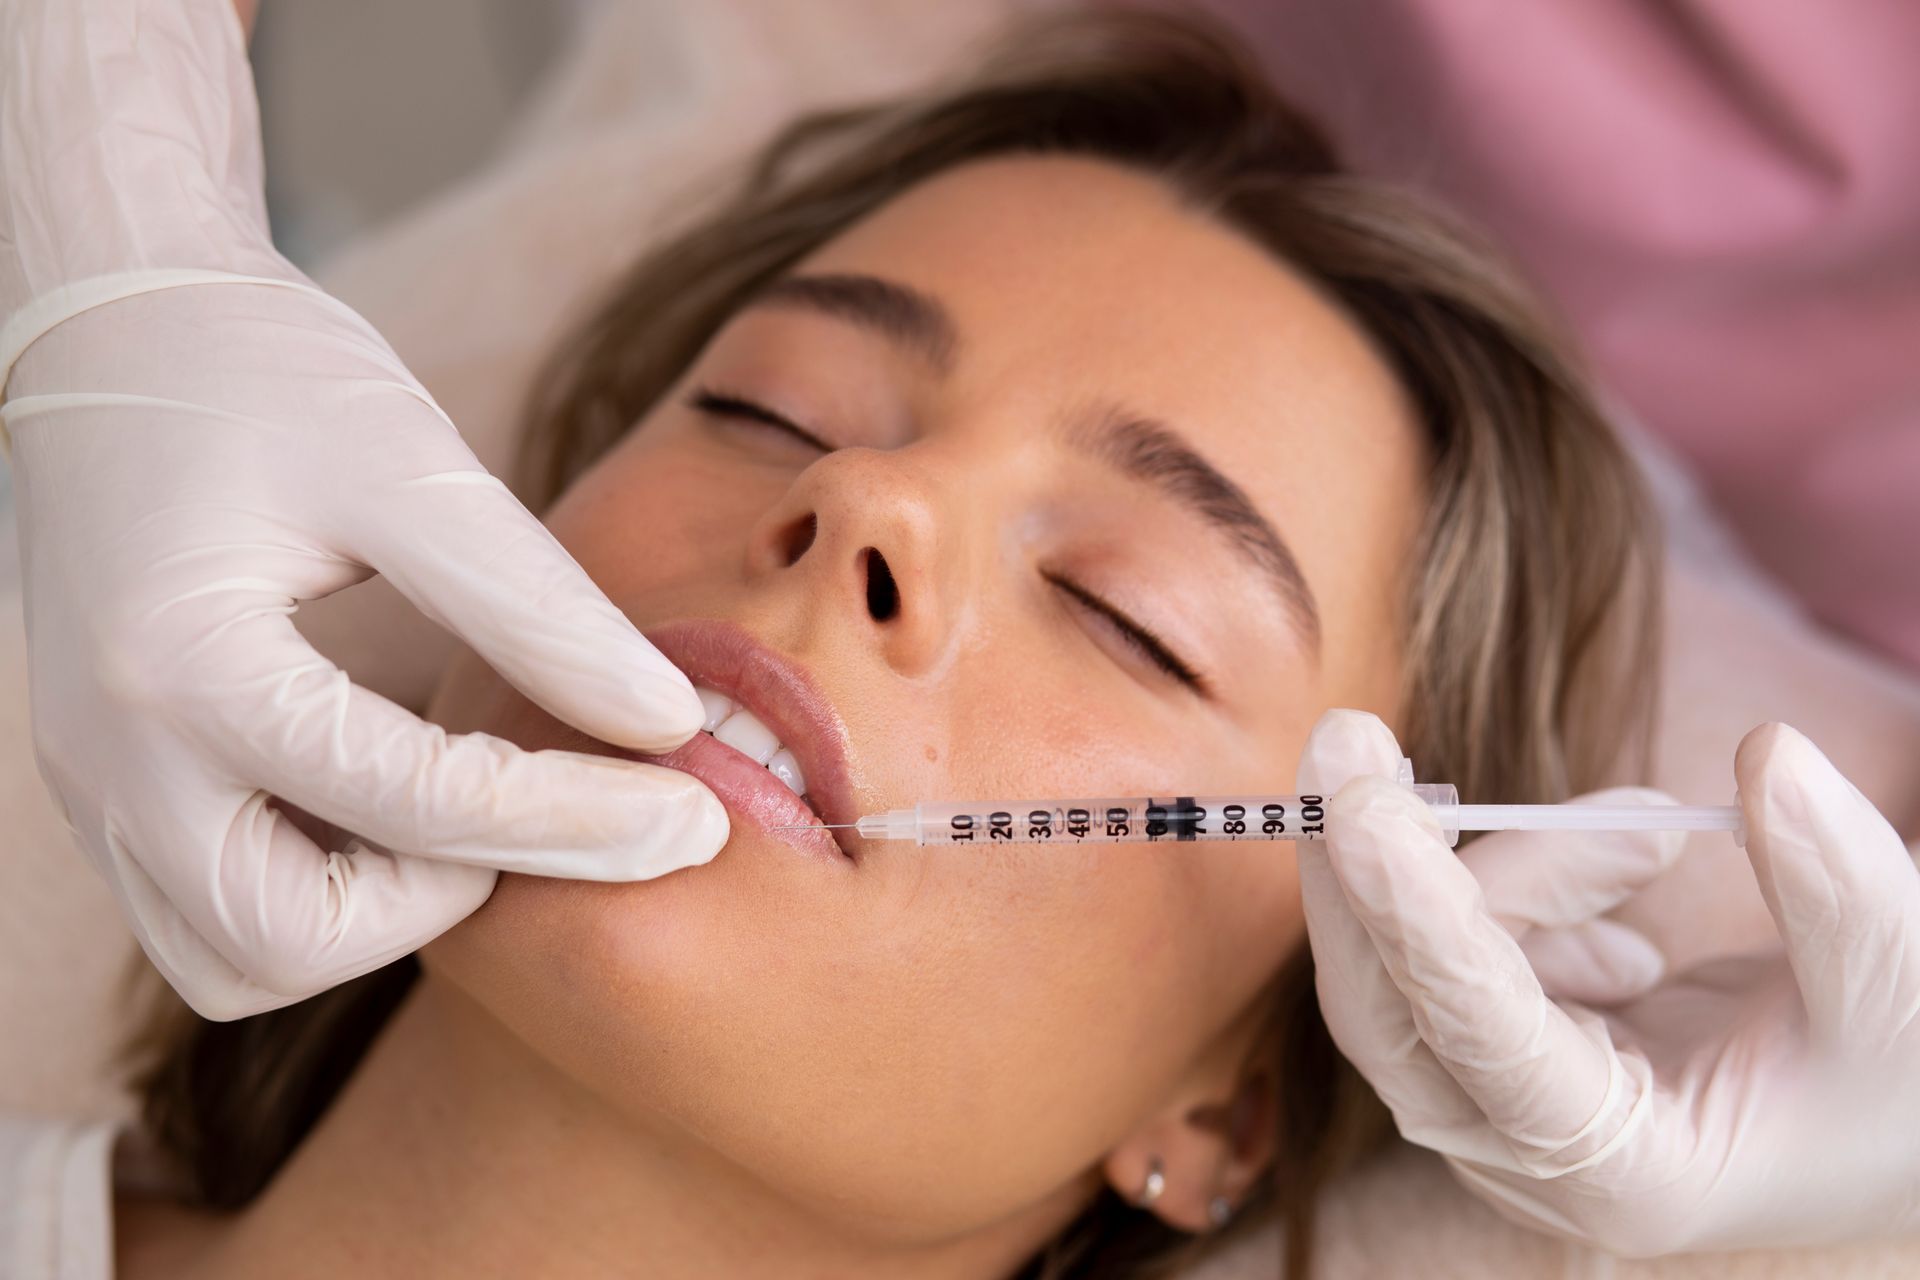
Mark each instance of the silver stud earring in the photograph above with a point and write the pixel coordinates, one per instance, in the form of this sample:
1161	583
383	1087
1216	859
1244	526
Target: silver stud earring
1155	1183
1219	1212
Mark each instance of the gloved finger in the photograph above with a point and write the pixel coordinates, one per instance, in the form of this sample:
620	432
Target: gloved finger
1550	890
205	978
1596	962
1364	1010
1552	879
289	917
283	719
460	546
1842	889
1558	1092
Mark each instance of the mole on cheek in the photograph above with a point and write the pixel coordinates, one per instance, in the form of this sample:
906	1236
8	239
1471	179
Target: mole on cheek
932	754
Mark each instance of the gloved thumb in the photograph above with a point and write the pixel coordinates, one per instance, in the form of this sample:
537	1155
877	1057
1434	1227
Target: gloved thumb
1344	745
1842	889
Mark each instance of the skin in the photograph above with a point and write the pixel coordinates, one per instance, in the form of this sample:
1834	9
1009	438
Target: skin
924	1066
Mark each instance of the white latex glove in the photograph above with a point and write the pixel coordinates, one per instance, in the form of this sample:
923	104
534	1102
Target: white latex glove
1759	1101
200	440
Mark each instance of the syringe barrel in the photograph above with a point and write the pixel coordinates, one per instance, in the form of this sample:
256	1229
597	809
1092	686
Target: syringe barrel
1120	820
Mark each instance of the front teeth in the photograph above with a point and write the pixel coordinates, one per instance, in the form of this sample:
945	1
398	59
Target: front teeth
743	731
718	707
784	767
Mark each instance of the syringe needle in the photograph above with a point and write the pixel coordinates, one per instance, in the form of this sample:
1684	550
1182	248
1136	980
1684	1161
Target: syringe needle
818	826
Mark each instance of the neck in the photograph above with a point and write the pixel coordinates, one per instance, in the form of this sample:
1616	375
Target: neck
455	1150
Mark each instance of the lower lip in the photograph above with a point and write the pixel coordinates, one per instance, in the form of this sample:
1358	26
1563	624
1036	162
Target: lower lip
749	791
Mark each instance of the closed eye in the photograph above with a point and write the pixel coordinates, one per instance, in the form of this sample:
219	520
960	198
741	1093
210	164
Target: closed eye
1142	640
720	404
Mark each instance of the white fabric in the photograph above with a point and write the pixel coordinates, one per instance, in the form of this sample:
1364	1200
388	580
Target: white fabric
56	1198
1404	1215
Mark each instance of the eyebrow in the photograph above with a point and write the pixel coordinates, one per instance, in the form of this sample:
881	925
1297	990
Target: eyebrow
1154	453
898	313
1141	448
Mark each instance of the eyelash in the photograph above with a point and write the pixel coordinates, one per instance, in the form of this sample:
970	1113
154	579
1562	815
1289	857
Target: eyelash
720	404
1149	645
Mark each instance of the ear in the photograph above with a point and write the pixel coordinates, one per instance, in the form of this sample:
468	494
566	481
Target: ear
1211	1138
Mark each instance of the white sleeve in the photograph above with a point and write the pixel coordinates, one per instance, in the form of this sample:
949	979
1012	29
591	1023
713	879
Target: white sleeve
130	148
56	1197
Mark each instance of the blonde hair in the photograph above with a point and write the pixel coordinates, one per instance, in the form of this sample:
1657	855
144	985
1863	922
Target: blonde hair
1530	635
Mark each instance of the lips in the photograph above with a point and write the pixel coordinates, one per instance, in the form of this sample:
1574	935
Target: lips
788	728
748	734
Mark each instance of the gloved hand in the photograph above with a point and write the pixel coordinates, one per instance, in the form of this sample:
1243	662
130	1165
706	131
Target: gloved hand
1758	1101
200	440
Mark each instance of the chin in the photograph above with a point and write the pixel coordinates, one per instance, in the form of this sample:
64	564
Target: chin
698	1004
580	935
753	935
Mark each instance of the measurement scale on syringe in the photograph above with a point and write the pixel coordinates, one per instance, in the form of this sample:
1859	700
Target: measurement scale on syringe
1191	819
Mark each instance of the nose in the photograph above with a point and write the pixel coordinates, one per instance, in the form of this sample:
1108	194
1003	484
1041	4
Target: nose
860	529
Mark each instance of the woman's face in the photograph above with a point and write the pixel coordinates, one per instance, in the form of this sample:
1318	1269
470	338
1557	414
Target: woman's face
1039	411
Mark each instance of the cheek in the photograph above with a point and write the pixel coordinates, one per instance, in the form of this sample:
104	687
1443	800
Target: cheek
657	510
1112	963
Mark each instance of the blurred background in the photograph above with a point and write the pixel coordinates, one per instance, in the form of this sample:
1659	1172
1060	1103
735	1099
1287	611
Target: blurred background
367	107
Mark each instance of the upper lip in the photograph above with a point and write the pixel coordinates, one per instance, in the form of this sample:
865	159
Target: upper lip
728	659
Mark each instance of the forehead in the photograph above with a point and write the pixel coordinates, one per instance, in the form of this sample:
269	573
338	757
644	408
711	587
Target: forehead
1073	281
1089	257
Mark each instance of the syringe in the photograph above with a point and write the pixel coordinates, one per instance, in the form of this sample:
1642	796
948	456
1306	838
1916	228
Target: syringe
1182	819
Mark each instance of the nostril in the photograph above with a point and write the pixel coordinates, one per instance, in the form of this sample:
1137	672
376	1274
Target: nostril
883	595
798	537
